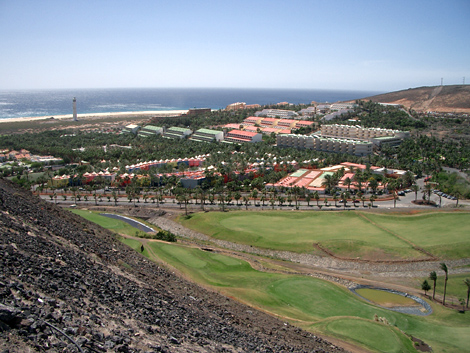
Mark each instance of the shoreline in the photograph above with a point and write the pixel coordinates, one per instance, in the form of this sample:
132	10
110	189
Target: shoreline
86	116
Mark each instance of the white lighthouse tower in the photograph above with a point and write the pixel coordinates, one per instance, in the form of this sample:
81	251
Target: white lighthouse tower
74	109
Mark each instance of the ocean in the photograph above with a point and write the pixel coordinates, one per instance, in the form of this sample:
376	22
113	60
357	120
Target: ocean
33	103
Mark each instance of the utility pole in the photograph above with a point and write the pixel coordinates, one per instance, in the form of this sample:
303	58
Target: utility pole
442	79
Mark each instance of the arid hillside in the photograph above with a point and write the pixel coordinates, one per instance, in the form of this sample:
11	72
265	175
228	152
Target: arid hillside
451	99
67	285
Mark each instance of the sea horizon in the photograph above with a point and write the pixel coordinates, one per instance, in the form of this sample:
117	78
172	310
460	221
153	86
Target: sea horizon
22	103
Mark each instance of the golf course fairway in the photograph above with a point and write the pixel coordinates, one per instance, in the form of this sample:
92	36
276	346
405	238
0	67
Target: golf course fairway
317	305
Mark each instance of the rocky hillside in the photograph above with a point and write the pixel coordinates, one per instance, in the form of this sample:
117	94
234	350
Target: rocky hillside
452	99
67	285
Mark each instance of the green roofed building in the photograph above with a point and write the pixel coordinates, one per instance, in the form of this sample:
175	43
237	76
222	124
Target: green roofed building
150	130
177	132
207	135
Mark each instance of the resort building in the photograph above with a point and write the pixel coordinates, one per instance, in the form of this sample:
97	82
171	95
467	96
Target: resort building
279	113
267	130
177	132
325	144
309	111
207	135
341	106
358	132
150	130
377	136
253	120
236	106
131	128
238	136
198	111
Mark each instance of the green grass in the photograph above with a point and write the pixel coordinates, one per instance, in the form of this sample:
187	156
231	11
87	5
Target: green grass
318	305
346	234
384	298
364	333
443	234
112	224
311	303
343	233
456	288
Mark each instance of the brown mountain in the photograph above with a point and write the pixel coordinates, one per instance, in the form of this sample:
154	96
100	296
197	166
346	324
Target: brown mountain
451	99
68	285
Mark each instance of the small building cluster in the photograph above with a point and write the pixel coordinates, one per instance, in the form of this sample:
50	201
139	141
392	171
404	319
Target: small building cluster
312	180
201	135
270	125
22	154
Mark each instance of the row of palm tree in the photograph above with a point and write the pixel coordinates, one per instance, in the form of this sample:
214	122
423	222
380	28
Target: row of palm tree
433	277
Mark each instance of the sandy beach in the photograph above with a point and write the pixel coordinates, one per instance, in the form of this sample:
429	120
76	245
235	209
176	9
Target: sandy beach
149	113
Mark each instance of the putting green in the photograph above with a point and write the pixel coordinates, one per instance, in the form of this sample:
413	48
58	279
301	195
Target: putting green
364	333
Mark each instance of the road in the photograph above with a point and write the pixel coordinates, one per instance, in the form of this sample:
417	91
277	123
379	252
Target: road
405	201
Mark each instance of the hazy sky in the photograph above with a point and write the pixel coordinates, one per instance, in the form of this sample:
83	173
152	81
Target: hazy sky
351	44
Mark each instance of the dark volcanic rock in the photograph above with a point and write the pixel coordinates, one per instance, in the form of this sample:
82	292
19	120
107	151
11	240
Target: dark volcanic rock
67	283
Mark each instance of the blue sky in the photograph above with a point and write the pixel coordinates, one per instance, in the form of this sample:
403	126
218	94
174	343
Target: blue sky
358	45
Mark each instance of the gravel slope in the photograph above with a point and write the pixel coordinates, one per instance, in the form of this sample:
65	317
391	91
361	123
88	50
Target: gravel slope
67	284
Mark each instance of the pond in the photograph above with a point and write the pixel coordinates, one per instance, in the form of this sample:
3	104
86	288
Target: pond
393	300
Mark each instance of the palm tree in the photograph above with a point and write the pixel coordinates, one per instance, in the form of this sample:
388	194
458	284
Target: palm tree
395	198
335	199
344	199
415	188
308	197
237	196
373	184
467	283
246	200
444	268
263	199
348	181
427	192
425	286
457	195
433	277
363	199
329	182
316	196
372	199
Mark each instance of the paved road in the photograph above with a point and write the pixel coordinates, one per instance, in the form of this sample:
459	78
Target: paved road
402	202
132	222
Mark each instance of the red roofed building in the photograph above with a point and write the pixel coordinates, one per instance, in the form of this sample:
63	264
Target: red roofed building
232	126
304	123
286	122
357	166
243	136
269	121
253	120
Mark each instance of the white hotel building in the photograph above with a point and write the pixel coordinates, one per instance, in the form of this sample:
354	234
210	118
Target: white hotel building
325	144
